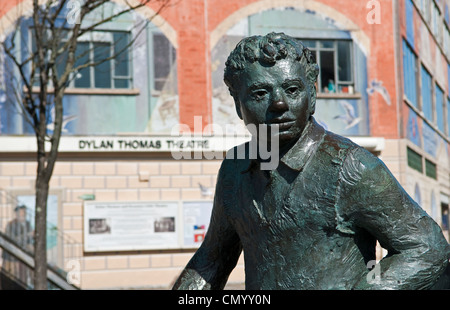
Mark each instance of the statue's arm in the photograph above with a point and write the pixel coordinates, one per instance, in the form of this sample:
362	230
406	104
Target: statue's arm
213	262
372	199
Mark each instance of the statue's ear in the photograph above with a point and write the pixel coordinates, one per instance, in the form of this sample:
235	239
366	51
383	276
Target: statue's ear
237	105
312	99
312	73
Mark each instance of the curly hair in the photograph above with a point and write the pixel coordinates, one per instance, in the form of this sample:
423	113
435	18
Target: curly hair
268	50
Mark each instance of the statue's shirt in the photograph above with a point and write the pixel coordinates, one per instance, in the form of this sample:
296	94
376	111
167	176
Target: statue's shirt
313	222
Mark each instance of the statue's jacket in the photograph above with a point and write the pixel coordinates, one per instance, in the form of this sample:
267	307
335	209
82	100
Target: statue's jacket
313	222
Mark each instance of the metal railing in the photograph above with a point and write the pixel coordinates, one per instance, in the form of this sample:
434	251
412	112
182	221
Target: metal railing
17	247
17	270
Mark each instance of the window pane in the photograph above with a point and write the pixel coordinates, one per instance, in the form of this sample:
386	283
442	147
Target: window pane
61	61
83	76
326	44
314	53
445	217
121	60
344	61
409	8
426	94
409	74
440	108
430	169
33	49
309	43
327	71
414	160
121	83
102	72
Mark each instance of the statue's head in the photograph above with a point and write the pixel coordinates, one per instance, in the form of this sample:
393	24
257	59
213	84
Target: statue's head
272	80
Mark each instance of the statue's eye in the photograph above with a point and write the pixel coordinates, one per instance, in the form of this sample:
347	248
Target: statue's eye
259	94
293	90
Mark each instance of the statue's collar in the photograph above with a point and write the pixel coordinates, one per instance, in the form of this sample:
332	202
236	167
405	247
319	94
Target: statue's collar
299	154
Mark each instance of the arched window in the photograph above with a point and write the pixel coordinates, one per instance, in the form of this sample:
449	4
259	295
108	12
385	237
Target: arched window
131	88
417	197
434	207
342	83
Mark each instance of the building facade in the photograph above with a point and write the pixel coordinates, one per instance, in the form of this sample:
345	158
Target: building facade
130	200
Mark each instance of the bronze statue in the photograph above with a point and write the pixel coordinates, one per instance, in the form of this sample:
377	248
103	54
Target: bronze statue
313	222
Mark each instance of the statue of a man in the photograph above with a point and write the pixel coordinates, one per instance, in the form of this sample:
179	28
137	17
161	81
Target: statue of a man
313	222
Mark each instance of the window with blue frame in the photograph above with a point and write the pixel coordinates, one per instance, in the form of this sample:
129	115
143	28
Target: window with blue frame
409	74
108	51
426	92
335	61
439	97
409	8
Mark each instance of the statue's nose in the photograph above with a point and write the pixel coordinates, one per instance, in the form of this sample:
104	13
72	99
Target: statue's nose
278	101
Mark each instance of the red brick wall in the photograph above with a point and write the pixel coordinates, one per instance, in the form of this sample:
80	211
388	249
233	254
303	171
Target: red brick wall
194	20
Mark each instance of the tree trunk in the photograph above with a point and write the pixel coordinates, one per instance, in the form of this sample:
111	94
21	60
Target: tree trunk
40	247
46	163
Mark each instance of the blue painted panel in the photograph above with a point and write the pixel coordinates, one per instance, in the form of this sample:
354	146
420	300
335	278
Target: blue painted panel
430	140
342	116
412	129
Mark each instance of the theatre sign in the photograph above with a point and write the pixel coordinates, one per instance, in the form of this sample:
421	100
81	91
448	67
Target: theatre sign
128	143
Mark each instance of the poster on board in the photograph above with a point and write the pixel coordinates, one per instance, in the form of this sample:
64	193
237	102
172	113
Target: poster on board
196	216
128	226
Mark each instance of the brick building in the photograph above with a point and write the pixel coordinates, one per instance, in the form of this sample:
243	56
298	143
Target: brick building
384	82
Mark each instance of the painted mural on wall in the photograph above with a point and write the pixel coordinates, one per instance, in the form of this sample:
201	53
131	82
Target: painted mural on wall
377	86
339	57
413	132
430	140
134	93
423	135
419	34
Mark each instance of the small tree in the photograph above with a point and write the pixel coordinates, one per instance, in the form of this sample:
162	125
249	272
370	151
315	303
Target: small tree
57	26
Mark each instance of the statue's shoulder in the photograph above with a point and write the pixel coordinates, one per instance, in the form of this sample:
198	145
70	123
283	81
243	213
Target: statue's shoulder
337	147
236	159
229	175
338	142
352	156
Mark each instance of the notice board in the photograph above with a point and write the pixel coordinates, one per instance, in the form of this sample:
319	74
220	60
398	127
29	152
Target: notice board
144	225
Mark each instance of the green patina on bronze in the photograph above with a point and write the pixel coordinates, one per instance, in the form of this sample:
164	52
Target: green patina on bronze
313	222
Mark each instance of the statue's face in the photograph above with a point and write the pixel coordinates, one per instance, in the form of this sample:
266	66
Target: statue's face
275	95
